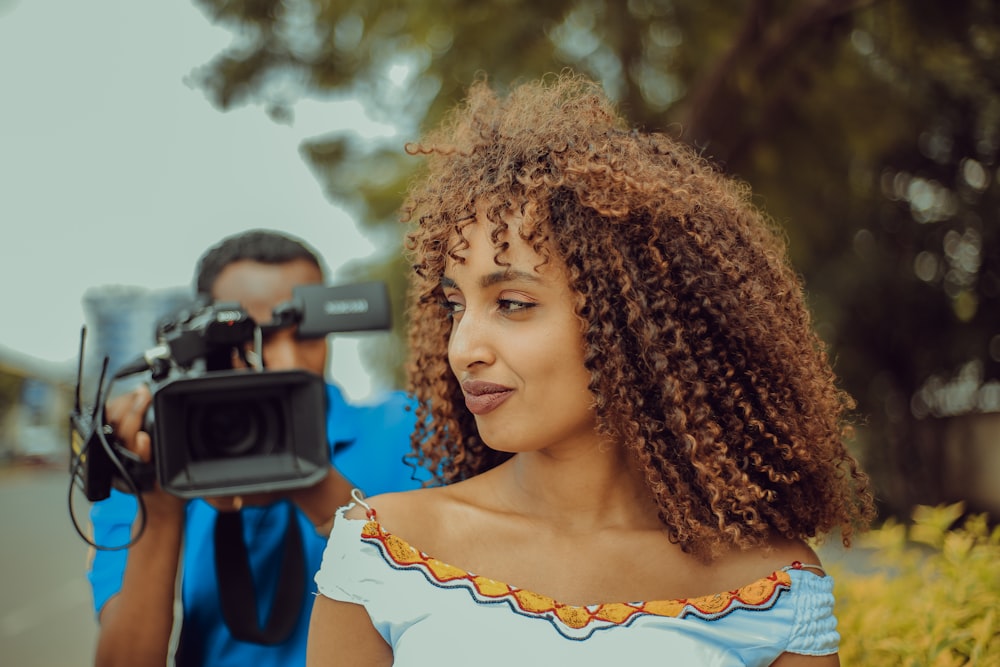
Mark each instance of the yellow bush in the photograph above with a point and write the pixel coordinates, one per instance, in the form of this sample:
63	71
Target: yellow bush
927	596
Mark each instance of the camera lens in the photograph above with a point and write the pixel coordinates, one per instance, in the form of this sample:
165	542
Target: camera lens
233	429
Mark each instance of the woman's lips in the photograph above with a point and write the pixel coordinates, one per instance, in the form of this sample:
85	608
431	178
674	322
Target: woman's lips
483	397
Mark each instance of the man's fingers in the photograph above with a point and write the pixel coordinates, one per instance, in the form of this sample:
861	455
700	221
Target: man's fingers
126	413
144	446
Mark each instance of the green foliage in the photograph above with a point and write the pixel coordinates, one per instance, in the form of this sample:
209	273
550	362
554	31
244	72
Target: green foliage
932	599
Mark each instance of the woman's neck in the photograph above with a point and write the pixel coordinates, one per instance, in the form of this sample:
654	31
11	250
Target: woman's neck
585	490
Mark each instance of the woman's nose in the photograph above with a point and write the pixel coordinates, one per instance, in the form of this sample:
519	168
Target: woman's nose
470	342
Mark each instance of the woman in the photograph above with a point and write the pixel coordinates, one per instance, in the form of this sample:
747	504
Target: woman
637	428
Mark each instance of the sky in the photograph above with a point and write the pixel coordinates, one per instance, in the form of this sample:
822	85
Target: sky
114	170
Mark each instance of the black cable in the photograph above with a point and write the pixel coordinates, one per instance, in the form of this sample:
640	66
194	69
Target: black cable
99	428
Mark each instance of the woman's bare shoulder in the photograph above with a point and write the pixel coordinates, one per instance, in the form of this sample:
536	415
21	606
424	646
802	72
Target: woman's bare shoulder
785	552
741	567
404	512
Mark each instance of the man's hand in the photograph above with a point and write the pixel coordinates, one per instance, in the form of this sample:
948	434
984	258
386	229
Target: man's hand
126	415
320	501
136	622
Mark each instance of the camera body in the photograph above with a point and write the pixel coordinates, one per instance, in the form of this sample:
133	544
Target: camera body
235	432
219	430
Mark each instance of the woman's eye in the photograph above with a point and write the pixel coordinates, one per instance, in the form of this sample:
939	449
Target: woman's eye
510	306
452	307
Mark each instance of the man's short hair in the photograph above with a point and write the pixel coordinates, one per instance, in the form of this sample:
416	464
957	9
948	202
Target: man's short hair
257	245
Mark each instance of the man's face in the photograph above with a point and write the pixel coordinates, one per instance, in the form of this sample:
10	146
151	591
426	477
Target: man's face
259	288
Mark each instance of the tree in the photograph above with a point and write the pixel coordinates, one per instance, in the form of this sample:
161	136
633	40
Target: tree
869	129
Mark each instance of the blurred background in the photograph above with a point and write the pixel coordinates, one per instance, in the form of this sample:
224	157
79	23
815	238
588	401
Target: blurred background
135	135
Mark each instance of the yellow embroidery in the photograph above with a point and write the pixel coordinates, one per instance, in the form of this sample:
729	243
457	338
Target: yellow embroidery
616	613
665	607
489	587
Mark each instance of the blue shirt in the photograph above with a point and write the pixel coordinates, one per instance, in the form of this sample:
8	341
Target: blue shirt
368	443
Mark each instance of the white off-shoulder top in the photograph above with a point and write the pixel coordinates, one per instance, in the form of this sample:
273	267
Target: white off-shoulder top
433	613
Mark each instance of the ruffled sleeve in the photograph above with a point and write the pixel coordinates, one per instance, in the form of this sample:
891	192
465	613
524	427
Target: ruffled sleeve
814	630
338	575
354	570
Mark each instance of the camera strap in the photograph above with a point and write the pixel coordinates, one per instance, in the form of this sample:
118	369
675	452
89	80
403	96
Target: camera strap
237	593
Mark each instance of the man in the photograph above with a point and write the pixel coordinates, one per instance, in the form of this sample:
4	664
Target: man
188	545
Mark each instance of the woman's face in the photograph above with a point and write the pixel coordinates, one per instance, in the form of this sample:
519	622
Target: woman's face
516	346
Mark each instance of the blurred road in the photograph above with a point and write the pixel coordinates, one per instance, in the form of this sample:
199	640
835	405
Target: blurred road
45	607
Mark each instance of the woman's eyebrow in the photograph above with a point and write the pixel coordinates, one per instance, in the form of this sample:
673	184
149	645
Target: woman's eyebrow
503	276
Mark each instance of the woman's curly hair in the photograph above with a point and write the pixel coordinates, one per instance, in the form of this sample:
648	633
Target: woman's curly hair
703	360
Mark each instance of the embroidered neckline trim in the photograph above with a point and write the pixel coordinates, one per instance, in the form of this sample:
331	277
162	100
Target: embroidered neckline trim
574	622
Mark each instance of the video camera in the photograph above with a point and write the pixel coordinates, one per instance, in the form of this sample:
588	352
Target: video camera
219	430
